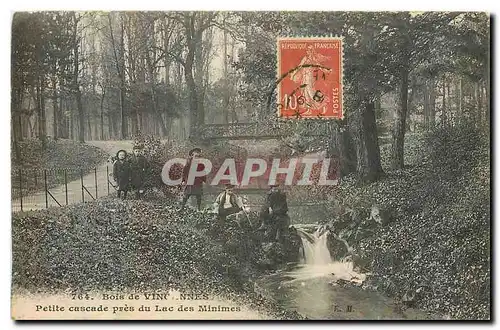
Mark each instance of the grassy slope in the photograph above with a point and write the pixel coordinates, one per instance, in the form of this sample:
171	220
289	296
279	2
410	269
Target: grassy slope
111	244
59	155
437	243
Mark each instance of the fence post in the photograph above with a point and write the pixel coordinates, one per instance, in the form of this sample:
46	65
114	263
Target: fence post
66	184
46	189
81	180
95	180
107	176
21	187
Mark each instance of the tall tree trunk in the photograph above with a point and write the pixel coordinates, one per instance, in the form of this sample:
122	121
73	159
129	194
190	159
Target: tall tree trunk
120	68
17	133
44	115
232	89
444	118
450	105
124	127
41	112
225	106
89	124
55	109
71	121
198	79
63	122
16	109
371	142
398	135
76	84
459	100
63	118
151	66
341	149
110	123
193	95
102	112
364	128
96	119
123	118
432	104
479	104
135	73
81	115
411	95
40	107
426	97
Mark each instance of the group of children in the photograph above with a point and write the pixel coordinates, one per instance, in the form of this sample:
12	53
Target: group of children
129	172
273	215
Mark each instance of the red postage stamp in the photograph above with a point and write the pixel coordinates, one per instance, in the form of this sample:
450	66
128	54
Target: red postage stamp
310	78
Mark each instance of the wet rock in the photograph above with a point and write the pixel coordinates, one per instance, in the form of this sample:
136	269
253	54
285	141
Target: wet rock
338	247
361	261
293	245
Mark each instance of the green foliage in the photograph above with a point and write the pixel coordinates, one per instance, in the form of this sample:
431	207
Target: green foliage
55	157
141	100
446	150
436	240
41	42
110	244
414	151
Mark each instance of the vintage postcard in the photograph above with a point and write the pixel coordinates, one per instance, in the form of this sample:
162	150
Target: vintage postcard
250	165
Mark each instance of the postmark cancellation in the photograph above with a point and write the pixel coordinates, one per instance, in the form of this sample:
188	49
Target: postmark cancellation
310	78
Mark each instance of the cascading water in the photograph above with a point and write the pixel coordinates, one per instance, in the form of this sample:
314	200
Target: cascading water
313	287
318	261
315	247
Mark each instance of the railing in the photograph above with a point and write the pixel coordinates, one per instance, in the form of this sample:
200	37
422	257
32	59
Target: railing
256	131
35	189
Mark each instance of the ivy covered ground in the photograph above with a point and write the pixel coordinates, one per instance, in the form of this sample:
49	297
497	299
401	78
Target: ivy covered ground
57	156
433	251
110	244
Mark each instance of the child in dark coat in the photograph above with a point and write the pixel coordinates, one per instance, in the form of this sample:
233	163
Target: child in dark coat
138	165
274	214
195	189
121	173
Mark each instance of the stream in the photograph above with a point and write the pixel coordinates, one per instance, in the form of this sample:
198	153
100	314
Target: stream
320	288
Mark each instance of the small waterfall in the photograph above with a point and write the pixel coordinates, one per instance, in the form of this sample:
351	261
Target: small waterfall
315	247
318	261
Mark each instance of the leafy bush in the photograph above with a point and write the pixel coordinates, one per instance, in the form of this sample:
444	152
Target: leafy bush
158	153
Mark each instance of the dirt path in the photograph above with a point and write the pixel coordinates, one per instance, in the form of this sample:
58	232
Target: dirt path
95	184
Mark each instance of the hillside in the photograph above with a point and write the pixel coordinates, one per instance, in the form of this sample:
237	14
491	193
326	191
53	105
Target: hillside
434	249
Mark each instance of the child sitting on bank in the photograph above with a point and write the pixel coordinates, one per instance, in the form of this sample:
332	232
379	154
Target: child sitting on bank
227	203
